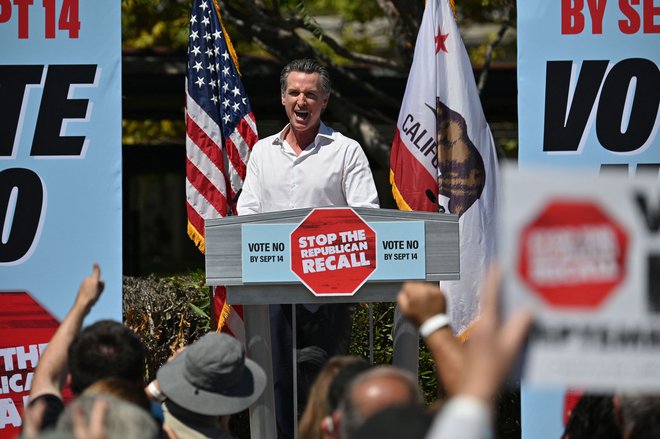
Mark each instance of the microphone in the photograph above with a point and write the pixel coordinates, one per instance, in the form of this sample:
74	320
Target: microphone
431	196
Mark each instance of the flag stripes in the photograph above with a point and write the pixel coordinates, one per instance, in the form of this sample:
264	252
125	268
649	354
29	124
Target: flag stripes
220	133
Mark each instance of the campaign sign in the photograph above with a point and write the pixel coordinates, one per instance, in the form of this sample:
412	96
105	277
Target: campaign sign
60	155
589	84
333	251
584	253
25	329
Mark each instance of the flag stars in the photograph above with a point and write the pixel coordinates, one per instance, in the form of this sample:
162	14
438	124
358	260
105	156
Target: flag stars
216	50
236	106
225	70
198	66
204	5
209	52
194	35
193	19
236	91
200	81
440	42
215	99
211	68
214	85
225	103
226	118
225	55
225	87
206	21
217	34
196	50
207	36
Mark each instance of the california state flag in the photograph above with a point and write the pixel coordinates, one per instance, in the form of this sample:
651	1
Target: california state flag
443	156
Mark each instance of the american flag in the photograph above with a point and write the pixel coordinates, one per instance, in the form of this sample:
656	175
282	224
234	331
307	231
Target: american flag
220	133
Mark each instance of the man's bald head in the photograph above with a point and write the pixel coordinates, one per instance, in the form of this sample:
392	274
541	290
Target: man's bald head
375	390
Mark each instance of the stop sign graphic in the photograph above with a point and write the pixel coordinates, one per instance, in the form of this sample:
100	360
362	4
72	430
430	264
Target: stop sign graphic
333	251
573	254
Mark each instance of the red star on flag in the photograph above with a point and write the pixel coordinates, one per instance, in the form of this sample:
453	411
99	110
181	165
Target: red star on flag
440	42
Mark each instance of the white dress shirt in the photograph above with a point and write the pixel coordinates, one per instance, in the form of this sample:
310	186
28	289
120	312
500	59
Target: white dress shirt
463	417
333	171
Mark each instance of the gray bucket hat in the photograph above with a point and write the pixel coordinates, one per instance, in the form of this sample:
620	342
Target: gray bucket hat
212	377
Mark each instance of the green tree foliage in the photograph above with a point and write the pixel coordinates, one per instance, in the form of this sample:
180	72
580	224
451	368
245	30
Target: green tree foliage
377	34
148	24
383	324
487	11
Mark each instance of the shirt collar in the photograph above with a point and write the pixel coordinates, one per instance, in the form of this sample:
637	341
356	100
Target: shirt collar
324	131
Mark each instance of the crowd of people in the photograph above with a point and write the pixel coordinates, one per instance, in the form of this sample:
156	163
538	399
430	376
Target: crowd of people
201	386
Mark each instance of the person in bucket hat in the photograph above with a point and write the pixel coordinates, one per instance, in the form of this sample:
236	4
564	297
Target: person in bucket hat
205	383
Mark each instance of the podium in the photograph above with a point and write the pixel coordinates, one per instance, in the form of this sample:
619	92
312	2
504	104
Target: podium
273	274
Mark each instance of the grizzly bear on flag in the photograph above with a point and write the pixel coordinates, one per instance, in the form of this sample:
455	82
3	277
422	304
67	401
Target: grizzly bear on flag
461	168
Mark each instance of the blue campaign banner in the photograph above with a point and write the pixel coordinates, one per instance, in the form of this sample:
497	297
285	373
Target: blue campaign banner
542	412
266	252
60	151
401	251
589	84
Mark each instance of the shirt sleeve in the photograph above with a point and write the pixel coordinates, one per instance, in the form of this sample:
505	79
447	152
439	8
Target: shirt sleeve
463	417
359	187
249	200
53	408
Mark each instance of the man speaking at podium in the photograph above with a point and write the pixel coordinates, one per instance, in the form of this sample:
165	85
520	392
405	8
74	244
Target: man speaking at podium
307	164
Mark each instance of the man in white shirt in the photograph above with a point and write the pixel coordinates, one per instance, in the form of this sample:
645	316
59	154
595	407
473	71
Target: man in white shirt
307	164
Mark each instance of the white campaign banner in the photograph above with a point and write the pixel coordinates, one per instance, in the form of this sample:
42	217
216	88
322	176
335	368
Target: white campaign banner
584	253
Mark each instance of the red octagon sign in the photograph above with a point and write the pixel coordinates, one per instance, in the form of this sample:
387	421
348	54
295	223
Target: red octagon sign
573	254
333	251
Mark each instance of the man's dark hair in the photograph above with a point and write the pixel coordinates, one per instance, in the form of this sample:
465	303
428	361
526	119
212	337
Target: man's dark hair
593	417
641	415
105	349
306	65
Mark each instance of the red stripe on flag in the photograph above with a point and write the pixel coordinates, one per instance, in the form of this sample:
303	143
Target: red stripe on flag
205	143
226	323
411	178
219	298
235	158
196	220
239	310
246	130
206	188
